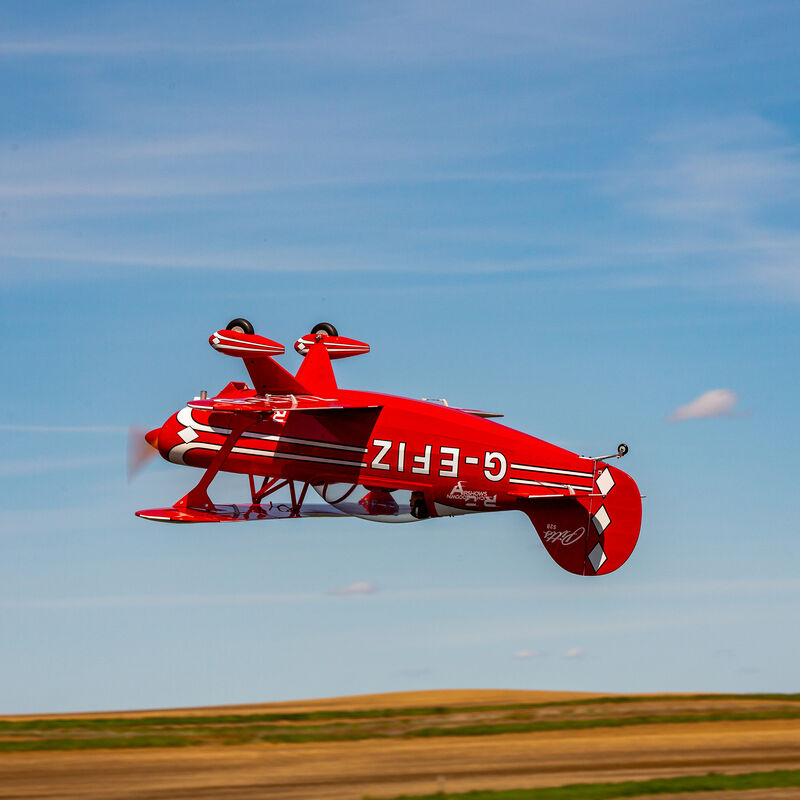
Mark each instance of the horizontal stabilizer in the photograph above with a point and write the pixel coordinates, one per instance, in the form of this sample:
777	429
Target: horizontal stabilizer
337	346
244	345
238	513
267	375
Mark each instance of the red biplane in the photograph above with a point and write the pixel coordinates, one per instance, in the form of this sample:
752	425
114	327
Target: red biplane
385	458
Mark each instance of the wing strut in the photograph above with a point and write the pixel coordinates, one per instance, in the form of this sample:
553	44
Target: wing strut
270	485
198	497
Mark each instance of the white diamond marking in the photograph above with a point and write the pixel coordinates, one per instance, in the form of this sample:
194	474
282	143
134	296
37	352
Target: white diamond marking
601	519
597	557
605	483
188	434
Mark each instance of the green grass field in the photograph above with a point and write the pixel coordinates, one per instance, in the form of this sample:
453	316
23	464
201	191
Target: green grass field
609	791
71	733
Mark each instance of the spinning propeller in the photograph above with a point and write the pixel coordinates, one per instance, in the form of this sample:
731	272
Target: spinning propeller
142	447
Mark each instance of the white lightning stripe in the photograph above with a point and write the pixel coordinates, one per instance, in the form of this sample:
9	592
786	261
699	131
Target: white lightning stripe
221	335
177	453
555	485
186	419
337	347
189	421
553	470
235	344
247	349
180	451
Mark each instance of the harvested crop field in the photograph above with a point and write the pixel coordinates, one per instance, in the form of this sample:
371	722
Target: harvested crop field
387	745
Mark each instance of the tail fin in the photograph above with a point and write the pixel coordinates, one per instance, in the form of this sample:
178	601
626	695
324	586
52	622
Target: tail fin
316	371
590	535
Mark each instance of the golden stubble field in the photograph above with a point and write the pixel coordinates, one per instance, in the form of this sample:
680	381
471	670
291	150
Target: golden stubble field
387	767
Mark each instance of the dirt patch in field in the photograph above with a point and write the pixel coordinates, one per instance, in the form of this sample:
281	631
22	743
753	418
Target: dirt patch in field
387	768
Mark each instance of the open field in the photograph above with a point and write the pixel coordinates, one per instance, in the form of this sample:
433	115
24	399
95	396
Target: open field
387	745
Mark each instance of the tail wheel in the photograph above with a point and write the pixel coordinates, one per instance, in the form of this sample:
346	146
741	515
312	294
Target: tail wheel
241	325
325	328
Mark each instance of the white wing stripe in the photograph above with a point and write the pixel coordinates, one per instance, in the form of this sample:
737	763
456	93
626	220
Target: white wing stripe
553	470
246	349
221	335
555	485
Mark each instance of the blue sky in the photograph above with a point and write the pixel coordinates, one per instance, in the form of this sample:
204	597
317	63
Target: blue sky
582	215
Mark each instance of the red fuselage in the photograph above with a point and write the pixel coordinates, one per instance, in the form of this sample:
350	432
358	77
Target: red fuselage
463	463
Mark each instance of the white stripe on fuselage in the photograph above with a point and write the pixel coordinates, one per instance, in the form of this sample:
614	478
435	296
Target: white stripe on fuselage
553	470
177	453
185	418
553	485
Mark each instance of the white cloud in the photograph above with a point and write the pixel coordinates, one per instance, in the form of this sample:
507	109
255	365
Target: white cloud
714	403
529	654
575	652
359	587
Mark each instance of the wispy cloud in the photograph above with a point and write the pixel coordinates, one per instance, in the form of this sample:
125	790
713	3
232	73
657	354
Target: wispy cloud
408	34
529	654
222	162
722	192
64	428
159	601
714	403
359	587
9	469
767	588
575	652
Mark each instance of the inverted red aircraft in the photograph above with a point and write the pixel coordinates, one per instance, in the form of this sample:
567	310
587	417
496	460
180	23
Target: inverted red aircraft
385	458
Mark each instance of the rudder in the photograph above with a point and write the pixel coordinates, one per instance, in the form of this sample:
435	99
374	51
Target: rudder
590	535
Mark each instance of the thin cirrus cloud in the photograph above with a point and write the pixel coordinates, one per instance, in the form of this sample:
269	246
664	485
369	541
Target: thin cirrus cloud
717	184
714	403
419	33
9	469
359	587
63	428
575	652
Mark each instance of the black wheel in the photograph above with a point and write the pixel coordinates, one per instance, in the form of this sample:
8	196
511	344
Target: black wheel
240	324
325	327
622	449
